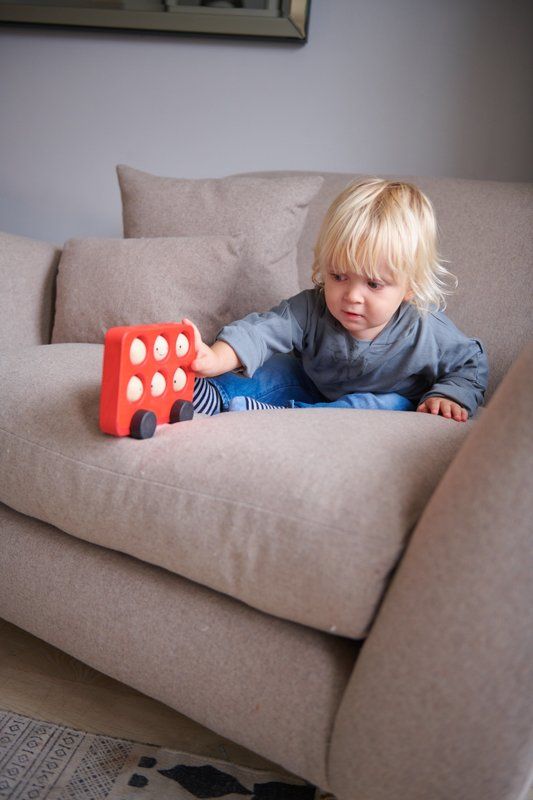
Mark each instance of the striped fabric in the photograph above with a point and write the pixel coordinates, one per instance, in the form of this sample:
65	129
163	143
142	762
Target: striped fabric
206	398
249	404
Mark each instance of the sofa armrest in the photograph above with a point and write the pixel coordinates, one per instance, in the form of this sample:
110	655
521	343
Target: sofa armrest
440	703
27	274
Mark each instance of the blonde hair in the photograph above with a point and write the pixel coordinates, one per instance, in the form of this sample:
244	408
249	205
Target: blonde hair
374	220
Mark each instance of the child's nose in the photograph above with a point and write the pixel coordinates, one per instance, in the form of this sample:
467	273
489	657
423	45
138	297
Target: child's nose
355	293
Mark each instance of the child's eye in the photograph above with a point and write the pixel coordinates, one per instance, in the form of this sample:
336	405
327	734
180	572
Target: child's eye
337	277
375	285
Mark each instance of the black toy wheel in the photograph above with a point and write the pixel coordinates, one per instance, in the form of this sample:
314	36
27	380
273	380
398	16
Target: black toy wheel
143	424
181	411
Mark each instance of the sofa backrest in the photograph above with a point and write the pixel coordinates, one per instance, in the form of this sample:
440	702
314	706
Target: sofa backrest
486	235
27	276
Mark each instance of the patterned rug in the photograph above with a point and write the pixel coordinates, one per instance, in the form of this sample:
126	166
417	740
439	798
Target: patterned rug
43	761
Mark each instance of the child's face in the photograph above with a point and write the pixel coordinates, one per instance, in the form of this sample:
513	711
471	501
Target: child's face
363	306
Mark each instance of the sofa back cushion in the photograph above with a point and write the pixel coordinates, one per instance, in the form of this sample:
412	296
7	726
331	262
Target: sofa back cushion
268	212
486	237
27	273
107	282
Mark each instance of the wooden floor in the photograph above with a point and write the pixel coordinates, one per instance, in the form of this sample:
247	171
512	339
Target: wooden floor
40	681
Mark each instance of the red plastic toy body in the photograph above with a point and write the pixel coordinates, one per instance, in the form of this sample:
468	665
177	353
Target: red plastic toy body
146	378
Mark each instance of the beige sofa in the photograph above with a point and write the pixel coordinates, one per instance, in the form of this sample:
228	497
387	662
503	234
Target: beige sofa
347	593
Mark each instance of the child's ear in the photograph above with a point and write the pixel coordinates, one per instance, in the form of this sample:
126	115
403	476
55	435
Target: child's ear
408	295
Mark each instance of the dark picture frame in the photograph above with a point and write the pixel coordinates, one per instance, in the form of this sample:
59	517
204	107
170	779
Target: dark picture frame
281	20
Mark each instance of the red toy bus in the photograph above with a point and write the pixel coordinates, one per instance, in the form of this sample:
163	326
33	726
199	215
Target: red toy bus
146	378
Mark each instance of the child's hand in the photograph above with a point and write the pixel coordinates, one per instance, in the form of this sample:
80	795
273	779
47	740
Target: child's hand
205	361
445	407
211	361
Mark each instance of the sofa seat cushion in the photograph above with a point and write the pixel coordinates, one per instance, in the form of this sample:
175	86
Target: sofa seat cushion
301	514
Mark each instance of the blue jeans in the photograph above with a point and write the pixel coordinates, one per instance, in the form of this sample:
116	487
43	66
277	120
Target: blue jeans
283	382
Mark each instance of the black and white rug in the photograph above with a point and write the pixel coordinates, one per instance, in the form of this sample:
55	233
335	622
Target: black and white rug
44	761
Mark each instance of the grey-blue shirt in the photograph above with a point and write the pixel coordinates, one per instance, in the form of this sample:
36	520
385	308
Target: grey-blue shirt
417	356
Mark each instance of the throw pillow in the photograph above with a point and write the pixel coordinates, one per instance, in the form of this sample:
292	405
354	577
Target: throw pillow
269	212
106	282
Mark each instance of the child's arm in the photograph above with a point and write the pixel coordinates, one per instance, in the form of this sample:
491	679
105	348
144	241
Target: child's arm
214	360
462	382
260	335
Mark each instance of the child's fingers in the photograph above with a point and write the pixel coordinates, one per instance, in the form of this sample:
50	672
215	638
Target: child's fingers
449	410
459	413
187	321
446	408
428	406
433	405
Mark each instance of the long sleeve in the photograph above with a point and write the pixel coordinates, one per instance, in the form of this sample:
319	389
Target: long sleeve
256	337
464	380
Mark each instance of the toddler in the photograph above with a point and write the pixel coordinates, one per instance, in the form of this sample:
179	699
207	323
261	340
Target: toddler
370	334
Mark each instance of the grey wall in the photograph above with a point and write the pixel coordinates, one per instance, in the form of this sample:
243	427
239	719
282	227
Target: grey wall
413	87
